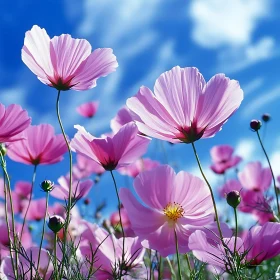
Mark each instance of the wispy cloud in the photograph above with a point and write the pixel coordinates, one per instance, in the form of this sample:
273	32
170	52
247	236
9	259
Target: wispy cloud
253	86
219	24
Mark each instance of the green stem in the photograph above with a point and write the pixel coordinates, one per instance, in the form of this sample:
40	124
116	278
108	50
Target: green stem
171	268
43	231
273	177
159	268
189	264
177	253
8	187
55	258
69	203
119	208
236	229
30	198
211	192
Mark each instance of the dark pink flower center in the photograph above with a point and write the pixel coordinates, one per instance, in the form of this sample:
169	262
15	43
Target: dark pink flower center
190	134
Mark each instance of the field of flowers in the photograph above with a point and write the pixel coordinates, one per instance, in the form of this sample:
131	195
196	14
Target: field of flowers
169	226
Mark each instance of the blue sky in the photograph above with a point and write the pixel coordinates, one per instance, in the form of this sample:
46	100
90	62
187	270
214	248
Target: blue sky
239	38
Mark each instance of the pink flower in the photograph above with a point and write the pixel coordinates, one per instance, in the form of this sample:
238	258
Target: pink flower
111	152
65	63
184	108
123	117
85	167
106	258
41	146
13	121
223	159
229	186
79	189
88	109
174	202
36	211
138	166
254	177
25	269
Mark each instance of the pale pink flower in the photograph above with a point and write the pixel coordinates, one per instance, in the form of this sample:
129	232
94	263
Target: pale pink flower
88	109
223	159
79	188
36	210
123	117
13	121
65	63
107	258
111	152
174	202
138	166
183	107
254	177
41	146
85	167
229	186
27	265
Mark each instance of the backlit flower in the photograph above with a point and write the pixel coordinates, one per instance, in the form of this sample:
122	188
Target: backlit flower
65	63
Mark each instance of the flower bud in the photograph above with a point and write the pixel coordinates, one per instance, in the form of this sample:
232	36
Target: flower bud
56	223
233	198
86	201
3	149
255	125
47	185
266	117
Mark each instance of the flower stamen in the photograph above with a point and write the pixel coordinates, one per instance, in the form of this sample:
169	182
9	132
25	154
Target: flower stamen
173	211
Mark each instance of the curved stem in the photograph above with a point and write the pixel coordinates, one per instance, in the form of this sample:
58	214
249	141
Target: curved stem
177	253
236	229
30	198
7	219
69	203
273	178
119	208
43	230
211	192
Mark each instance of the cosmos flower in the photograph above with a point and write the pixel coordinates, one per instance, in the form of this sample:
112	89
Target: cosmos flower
88	109
111	152
13	121
173	202
65	63
183	107
40	146
223	159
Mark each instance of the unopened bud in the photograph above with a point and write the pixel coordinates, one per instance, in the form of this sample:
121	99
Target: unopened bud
233	198
255	125
56	223
3	149
266	117
47	185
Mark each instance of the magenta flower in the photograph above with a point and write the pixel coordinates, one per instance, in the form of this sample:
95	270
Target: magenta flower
79	189
138	166
13	121
229	186
36	210
174	202
65	63
254	177
184	108
223	159
88	109
107	259
111	152
41	146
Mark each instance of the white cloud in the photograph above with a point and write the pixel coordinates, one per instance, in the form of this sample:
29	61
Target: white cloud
275	163
253	86
220	23
246	148
260	101
236	59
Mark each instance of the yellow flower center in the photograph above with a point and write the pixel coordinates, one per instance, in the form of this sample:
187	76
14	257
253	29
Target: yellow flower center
173	211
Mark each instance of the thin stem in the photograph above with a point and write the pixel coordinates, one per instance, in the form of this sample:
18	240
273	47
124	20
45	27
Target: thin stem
119	208
177	253
273	177
55	258
69	203
171	267
43	231
189	264
30	198
159	268
211	192
151	264
8	225
236	229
